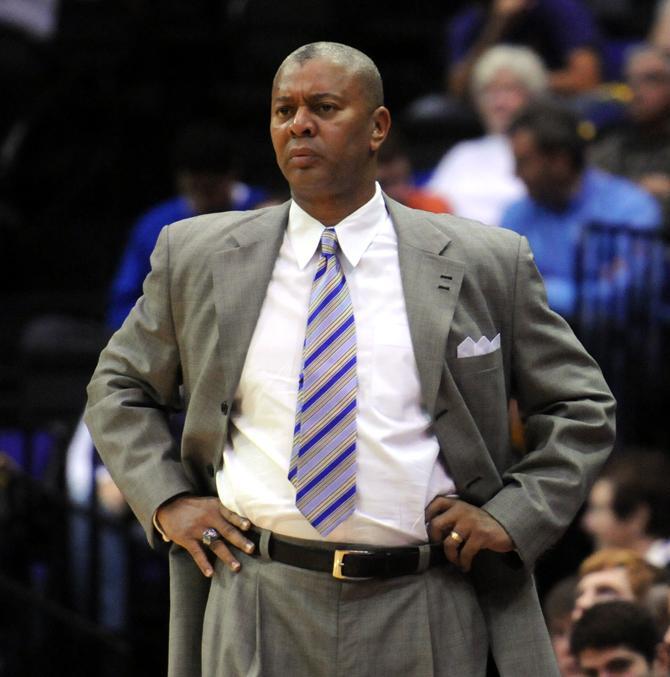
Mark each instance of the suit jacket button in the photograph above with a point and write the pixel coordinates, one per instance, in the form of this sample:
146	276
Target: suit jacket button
224	408
210	470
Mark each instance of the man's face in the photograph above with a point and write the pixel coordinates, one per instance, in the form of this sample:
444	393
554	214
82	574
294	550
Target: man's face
324	129
548	177
602	586
617	661
649	79
601	522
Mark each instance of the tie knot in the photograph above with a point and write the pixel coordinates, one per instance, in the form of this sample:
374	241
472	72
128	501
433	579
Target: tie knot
329	241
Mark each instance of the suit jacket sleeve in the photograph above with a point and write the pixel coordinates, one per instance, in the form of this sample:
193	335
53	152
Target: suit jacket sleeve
568	412
132	392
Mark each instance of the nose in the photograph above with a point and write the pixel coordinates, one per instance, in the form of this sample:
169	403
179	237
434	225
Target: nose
302	123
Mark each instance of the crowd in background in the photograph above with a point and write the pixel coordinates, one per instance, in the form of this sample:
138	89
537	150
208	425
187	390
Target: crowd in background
548	117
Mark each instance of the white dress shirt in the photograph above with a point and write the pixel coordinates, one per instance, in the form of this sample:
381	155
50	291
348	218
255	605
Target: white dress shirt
398	464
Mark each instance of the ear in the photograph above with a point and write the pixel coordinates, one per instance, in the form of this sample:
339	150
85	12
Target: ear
381	120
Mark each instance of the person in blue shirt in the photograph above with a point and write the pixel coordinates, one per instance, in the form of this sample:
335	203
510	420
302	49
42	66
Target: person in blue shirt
564	197
205	180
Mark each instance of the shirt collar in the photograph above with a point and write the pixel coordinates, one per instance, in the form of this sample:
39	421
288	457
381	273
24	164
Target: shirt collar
354	233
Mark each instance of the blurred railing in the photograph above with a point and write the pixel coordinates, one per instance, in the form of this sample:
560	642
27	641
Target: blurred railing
81	593
623	318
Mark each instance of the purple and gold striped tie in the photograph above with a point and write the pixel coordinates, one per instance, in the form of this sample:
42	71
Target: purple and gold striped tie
323	462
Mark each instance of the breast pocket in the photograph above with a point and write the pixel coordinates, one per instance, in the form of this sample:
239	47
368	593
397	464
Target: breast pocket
476	363
481	383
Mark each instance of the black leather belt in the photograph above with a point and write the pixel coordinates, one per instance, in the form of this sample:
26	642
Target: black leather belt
350	561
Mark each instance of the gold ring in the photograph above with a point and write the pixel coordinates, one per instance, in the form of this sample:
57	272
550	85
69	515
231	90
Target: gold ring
455	536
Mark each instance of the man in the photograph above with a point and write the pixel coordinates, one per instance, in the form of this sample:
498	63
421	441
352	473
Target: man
640	150
348	402
564	197
629	506
615	638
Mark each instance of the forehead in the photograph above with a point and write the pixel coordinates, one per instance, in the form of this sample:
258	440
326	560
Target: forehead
315	76
503	77
615	579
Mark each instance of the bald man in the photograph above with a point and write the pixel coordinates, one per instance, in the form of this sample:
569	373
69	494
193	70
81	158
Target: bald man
345	499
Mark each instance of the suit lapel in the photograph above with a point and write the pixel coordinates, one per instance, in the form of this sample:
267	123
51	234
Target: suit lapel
431	283
241	272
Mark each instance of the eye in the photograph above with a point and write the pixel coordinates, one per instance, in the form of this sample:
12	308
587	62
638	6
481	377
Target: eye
282	111
325	107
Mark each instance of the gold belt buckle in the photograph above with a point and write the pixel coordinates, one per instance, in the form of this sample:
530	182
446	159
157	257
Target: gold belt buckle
338	563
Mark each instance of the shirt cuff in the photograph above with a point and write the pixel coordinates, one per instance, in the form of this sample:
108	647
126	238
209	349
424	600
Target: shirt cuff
158	528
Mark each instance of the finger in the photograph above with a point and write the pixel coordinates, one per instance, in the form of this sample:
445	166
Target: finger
470	548
221	550
438	505
200	558
441	525
231	534
452	549
435	532
232	517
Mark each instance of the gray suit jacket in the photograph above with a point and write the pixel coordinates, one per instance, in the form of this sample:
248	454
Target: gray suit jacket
191	330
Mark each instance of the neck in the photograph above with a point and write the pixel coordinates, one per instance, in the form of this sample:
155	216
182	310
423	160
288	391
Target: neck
330	210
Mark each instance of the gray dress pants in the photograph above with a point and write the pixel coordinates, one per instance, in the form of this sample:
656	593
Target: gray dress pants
276	620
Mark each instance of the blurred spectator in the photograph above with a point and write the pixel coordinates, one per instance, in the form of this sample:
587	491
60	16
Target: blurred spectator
204	169
25	27
562	32
629	506
622	24
641	150
394	173
615	638
613	573
37	18
564	196
477	176
557	607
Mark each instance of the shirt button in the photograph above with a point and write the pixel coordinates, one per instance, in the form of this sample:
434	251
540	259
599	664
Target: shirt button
224	408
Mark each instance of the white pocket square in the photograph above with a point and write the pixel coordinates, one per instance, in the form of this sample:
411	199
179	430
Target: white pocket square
470	348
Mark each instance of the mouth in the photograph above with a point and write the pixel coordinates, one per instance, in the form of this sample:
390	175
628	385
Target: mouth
301	153
302	157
